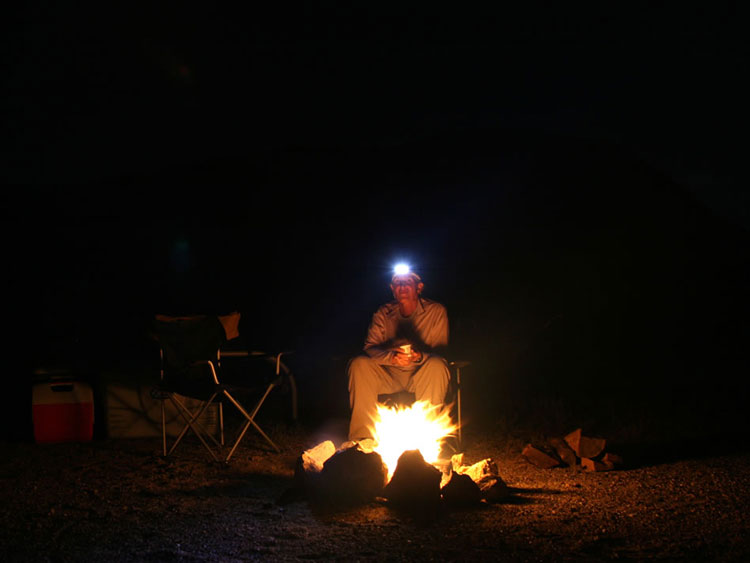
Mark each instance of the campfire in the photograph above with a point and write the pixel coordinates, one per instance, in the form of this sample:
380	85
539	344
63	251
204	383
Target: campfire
401	463
421	426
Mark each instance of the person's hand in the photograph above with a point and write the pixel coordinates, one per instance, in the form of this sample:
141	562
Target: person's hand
400	359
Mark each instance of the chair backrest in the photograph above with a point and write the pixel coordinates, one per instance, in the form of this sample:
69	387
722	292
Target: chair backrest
188	344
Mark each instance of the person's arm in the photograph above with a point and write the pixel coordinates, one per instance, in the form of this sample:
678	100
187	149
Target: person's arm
376	342
440	347
436	337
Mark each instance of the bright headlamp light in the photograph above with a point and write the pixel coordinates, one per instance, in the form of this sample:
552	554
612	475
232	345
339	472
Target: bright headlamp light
401	269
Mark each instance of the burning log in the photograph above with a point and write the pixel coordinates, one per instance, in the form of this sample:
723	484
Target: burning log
461	491
307	472
585	446
349	477
539	457
415	483
481	469
310	463
484	473
493	488
457	461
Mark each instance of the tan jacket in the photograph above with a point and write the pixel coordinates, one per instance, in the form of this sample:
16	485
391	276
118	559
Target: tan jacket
426	330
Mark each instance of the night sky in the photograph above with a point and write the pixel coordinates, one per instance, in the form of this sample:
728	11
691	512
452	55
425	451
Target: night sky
571	185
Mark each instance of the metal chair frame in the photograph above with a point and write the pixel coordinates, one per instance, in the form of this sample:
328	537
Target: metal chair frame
457	365
283	374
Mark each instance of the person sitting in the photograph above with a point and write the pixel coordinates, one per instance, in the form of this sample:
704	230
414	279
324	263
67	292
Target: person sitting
402	352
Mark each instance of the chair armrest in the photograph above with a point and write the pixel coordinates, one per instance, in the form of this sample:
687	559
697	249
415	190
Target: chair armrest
256	353
278	360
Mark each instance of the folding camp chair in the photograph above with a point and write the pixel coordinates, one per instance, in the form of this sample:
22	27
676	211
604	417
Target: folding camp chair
191	351
454	390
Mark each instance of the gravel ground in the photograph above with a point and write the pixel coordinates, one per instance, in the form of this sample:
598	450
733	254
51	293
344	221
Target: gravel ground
120	500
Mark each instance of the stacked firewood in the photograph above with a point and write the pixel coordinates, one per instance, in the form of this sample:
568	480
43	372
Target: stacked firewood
573	450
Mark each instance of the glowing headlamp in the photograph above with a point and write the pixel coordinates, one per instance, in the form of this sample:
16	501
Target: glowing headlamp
401	269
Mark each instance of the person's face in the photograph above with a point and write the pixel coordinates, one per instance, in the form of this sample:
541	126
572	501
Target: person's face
406	288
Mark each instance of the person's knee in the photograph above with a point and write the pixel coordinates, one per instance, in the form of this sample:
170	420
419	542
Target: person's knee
435	370
436	363
439	372
359	366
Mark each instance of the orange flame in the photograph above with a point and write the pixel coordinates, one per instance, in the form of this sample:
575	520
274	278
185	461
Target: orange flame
423	427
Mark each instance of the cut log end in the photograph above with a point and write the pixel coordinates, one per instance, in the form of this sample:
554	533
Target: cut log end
585	446
564	451
540	458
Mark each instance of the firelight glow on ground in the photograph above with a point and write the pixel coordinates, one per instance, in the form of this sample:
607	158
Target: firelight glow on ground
422	427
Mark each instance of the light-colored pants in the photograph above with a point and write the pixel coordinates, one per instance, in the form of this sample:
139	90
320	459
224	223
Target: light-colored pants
368	379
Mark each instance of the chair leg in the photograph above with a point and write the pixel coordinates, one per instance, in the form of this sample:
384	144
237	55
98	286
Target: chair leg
221	422
163	428
262	399
250	420
242	433
458	401
191	420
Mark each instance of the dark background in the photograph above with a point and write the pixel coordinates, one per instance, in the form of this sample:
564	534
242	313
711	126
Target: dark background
571	185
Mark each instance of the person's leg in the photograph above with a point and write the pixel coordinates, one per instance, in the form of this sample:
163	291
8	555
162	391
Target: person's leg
430	381
367	379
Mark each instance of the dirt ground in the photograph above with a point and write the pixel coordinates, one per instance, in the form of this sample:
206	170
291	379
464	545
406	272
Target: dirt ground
120	500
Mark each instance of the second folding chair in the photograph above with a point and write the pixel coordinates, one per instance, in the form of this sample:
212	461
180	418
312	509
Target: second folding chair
192	380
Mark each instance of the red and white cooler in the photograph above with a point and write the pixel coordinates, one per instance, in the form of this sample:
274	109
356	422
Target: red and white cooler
63	411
